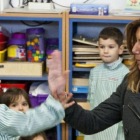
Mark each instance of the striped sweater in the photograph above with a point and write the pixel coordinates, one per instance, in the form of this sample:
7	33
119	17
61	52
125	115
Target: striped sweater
15	124
103	81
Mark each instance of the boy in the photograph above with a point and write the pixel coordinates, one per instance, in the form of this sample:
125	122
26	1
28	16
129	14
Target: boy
105	78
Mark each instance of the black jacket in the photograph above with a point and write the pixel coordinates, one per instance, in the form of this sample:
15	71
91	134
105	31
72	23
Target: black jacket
122	105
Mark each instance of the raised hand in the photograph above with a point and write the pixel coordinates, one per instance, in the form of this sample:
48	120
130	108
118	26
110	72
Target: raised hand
56	79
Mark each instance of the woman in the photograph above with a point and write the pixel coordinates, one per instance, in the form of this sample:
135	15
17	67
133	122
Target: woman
123	105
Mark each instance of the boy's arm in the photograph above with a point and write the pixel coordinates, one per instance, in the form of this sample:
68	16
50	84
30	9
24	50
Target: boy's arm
47	115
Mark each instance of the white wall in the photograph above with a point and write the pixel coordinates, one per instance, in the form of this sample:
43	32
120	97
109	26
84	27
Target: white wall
113	4
4	4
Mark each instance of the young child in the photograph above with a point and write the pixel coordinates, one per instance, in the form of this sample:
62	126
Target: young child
105	78
18	100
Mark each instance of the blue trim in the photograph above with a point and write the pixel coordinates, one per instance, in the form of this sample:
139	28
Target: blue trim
100	20
70	55
60	35
70	132
31	18
71	31
59	132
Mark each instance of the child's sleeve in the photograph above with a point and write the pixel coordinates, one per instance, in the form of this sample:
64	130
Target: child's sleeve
47	115
89	88
91	85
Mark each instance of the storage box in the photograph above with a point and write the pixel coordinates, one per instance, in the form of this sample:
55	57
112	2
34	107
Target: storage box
89	9
37	100
80	138
2	55
5	86
27	69
3	38
3	45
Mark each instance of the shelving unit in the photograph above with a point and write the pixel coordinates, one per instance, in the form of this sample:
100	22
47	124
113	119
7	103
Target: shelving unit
7	18
76	24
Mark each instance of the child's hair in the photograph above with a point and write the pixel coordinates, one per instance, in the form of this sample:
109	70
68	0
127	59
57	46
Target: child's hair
112	33
13	94
34	136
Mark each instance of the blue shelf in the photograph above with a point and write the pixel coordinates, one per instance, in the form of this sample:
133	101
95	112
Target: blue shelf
73	29
43	78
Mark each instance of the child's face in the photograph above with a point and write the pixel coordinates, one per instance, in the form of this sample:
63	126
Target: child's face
20	105
109	50
38	138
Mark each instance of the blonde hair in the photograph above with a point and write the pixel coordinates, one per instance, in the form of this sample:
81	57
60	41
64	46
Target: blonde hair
134	75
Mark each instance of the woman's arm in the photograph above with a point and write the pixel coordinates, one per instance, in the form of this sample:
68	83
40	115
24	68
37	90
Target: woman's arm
103	116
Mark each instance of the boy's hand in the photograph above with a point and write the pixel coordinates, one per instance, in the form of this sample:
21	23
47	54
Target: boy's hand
56	79
63	100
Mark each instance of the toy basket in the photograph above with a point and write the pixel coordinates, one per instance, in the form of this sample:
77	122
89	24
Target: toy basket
37	100
2	55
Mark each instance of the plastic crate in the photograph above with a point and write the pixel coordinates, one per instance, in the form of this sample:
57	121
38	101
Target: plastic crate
18	85
3	45
2	55
37	100
3	38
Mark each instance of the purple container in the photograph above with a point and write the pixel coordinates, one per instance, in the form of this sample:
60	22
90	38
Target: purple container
36	44
35	31
18	47
17	41
52	44
37	100
18	36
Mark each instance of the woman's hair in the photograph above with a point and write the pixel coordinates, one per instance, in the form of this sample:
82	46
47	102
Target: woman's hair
13	94
112	33
134	75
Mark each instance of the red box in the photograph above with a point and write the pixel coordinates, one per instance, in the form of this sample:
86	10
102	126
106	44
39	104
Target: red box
3	45
18	85
3	38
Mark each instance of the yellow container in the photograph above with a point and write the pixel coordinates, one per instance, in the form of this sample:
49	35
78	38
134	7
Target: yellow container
2	55
80	138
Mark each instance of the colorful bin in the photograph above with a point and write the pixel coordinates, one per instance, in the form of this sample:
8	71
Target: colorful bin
2	55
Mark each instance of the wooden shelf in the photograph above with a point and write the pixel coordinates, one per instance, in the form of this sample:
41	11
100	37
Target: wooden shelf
103	17
43	78
31	15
